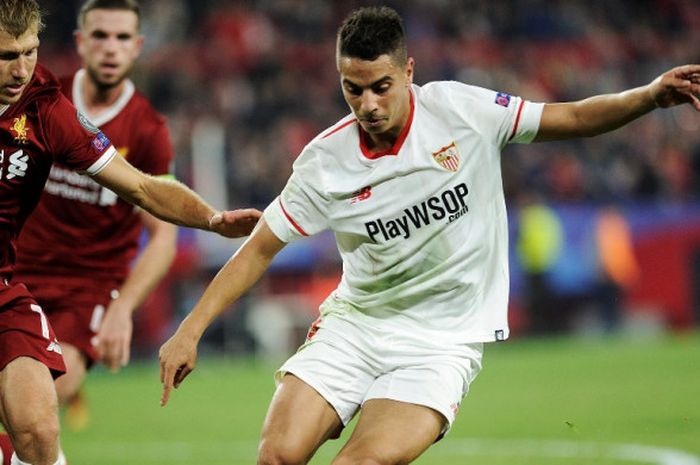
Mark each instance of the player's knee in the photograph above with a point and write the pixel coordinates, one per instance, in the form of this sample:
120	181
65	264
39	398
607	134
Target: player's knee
270	453
38	437
65	392
68	385
363	459
346	460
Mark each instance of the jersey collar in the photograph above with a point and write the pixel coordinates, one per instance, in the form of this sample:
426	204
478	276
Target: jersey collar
393	150
108	115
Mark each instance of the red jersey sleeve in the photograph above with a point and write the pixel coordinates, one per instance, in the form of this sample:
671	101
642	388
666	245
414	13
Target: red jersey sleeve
73	140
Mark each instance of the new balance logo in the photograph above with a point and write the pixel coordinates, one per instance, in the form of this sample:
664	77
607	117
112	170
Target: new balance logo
17	166
362	194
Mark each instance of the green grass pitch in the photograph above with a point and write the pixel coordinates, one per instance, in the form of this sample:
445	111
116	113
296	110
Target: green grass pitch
548	402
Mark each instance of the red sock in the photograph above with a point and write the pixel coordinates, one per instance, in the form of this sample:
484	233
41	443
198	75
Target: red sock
6	448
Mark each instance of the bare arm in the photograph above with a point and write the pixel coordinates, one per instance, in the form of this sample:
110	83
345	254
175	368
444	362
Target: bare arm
603	113
114	337
172	201
178	355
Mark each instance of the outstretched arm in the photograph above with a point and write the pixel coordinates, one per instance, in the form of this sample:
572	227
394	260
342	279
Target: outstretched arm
603	113
172	201
178	355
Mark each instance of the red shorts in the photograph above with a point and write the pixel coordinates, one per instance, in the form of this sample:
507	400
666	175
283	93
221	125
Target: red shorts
75	311
25	331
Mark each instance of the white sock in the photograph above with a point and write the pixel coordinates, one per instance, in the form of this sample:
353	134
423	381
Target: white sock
16	461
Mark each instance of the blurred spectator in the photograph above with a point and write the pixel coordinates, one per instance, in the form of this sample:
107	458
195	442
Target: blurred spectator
255	66
539	244
618	266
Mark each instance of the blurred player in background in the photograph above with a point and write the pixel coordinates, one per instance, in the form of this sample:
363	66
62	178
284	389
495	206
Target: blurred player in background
38	125
410	184
89	293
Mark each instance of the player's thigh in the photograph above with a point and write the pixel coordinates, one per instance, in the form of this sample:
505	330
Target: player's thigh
25	331
76	369
30	358
298	421
391	432
27	394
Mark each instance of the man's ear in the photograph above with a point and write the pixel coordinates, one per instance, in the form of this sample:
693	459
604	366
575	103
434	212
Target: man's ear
410	64
79	41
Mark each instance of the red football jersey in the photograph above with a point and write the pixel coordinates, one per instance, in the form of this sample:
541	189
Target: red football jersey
82	231
43	127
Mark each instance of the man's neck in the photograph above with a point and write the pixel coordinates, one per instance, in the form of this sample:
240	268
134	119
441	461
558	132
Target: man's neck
99	99
383	141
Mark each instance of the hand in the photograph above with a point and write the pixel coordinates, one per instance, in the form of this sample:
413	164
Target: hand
178	357
677	86
113	341
235	223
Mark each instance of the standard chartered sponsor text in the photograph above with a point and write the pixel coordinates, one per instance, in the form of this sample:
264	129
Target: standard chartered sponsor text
67	191
68	184
59	174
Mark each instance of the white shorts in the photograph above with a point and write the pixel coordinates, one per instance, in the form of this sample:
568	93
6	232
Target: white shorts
349	364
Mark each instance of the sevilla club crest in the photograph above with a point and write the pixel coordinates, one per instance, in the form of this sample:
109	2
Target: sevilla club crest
448	157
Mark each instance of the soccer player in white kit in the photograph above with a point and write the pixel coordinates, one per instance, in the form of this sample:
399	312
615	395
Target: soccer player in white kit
410	184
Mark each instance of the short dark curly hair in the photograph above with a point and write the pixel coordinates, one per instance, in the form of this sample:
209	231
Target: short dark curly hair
369	32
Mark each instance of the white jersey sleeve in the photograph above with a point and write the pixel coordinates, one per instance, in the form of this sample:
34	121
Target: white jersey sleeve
499	116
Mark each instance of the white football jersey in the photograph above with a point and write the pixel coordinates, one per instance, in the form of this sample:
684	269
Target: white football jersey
421	228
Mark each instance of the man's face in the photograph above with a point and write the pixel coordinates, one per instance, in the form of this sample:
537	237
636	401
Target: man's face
109	44
377	92
18	57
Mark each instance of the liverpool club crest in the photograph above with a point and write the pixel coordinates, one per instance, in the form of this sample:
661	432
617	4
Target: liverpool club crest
19	127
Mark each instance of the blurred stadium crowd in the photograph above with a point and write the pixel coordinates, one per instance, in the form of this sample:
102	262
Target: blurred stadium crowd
246	84
264	70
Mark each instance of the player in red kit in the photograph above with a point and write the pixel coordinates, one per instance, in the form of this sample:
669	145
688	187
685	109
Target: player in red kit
89	293
39	126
